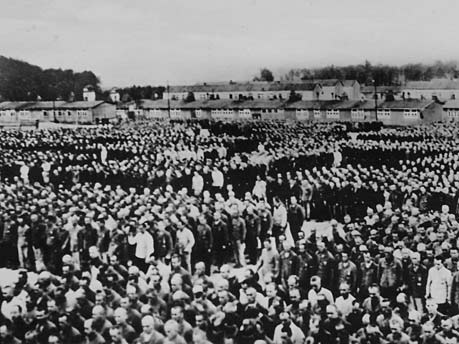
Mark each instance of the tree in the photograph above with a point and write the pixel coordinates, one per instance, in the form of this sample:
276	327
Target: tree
190	97
265	75
294	97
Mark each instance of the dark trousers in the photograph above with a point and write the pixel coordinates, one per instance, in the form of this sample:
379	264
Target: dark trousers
140	263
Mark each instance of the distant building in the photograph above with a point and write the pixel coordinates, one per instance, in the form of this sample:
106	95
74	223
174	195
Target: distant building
409	112
89	94
114	95
61	111
451	111
308	90
397	112
383	92
441	89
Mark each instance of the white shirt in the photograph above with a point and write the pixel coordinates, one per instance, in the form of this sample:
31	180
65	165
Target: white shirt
24	170
7	307
198	183
313	295
297	335
217	178
439	284
144	244
259	298
344	305
259	189
280	216
185	238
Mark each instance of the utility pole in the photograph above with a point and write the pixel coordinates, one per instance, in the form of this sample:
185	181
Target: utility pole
168	102
376	101
54	111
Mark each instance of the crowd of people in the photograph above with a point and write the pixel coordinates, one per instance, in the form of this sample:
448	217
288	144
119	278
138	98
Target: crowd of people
230	232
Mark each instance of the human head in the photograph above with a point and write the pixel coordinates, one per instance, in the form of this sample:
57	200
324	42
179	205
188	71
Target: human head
120	316
251	294
431	306
438	262
98	312
428	330
316	283
332	312
116	334
177	313
171	328
148	324
200	268
344	289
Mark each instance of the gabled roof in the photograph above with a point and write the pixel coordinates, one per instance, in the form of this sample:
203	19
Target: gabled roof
434	84
81	105
14	105
312	105
371	89
349	83
49	105
416	104
209	104
346	104
275	86
45	105
451	104
327	82
365	105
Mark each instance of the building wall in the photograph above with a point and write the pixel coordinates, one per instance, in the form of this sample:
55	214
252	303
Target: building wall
428	94
115	97
89	96
272	114
84	116
8	116
352	92
328	93
264	95
433	113
450	115
345	115
104	111
244	114
202	114
66	116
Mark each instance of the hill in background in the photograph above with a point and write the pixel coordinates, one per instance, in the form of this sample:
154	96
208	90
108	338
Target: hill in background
23	81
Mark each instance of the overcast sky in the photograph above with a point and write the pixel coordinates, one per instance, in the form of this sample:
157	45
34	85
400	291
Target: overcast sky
144	42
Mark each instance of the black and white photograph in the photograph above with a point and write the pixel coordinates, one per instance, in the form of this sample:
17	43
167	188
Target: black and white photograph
229	172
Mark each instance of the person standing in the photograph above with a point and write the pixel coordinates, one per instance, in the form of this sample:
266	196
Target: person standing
23	231
144	246
295	217
438	285
252	222
202	249
197	183
390	274
238	231
326	265
288	263
218	180
279	218
221	240
266	221
185	243
417	279
268	262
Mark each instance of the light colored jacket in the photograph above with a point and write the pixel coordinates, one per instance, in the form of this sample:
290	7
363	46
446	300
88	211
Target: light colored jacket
439	284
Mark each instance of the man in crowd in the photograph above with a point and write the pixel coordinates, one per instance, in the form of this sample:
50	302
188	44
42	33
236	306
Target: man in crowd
109	247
